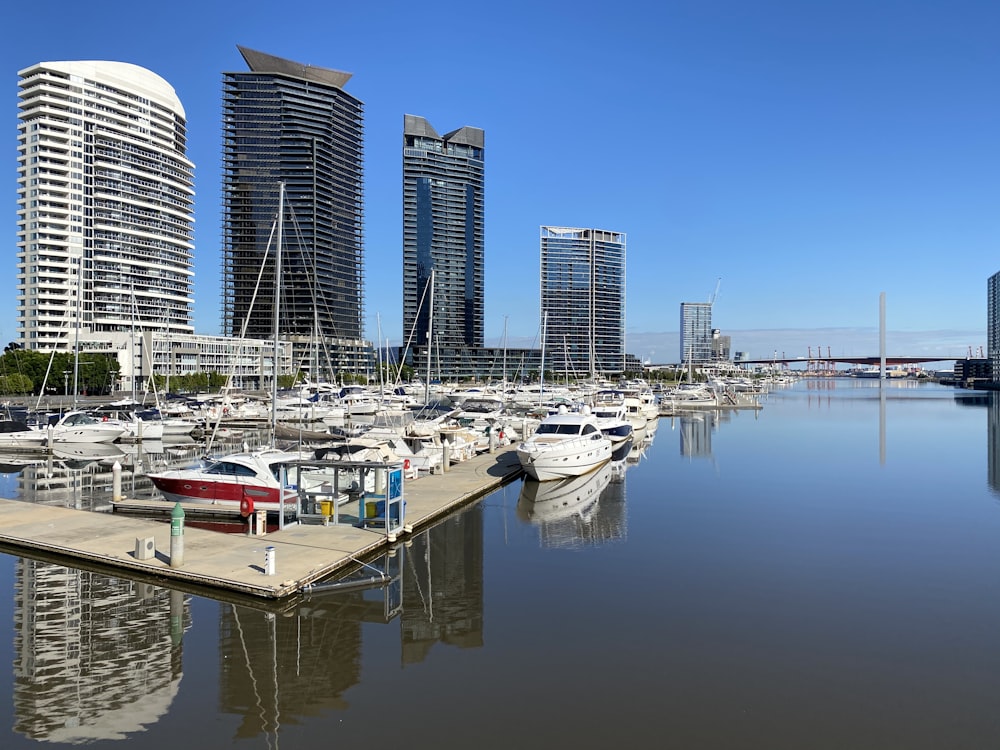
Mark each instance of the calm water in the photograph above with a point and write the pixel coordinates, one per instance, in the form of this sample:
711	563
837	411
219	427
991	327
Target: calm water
824	574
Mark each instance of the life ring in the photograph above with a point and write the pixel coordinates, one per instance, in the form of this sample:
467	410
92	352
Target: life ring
406	464
246	506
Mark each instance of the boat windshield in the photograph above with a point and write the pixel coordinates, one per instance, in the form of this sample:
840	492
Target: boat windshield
229	468
78	418
558	429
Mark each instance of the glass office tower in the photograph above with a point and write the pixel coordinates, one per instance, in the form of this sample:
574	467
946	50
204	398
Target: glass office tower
696	332
583	300
285	122
443	233
993	324
105	204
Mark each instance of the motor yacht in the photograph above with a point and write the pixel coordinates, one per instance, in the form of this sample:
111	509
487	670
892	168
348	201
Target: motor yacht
567	444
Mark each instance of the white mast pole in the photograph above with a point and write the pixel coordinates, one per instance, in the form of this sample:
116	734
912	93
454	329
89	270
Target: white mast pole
276	313
430	339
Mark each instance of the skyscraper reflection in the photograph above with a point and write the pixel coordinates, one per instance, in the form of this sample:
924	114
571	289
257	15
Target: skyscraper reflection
96	657
443	587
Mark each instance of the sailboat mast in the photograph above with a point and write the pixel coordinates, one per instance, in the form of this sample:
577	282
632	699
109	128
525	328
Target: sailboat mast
277	299
541	374
505	356
79	323
430	339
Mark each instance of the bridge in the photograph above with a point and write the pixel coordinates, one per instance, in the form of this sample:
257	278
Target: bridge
871	361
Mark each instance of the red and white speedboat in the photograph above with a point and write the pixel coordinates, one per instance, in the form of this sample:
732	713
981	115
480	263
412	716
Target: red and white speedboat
255	480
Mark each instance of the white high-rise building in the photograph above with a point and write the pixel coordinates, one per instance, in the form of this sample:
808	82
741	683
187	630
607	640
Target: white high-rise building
105	205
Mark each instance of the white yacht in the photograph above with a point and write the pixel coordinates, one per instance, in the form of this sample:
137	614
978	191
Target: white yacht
612	417
564	445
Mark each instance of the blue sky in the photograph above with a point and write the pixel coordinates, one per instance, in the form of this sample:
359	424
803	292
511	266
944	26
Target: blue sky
811	154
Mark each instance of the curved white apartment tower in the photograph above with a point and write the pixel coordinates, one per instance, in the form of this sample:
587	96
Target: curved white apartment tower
105	204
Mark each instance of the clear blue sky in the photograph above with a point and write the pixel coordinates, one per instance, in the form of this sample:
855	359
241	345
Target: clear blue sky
810	153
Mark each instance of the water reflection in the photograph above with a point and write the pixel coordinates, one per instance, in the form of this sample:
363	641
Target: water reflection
96	657
696	433
642	439
276	669
99	657
993	444
566	503
443	587
585	511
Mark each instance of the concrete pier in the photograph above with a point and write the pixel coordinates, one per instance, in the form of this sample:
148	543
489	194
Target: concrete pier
301	554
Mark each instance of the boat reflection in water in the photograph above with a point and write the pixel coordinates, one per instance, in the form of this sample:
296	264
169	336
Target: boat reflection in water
567	512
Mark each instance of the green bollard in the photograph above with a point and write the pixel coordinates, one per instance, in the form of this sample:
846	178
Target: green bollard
177	536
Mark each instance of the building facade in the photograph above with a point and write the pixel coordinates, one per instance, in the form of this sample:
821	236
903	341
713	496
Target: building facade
696	333
443	180
583	300
721	346
294	124
993	323
105	204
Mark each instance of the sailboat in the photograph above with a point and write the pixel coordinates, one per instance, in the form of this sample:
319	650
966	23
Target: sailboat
263	479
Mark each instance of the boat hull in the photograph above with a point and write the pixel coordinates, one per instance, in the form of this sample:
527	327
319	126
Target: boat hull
561	461
185	487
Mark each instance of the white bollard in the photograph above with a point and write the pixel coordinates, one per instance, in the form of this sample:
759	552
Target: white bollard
116	482
269	561
445	455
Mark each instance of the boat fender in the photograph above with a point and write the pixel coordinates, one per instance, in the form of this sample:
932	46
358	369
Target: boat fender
246	507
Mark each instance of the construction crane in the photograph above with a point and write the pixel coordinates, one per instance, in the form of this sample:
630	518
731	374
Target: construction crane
715	294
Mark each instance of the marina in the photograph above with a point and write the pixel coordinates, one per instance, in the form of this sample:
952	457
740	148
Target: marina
301	553
818	568
314	510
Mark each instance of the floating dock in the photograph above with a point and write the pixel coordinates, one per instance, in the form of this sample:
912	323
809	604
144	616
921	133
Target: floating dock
299	554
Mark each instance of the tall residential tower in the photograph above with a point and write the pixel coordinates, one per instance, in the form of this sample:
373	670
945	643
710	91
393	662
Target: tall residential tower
696	332
286	122
443	233
583	300
105	204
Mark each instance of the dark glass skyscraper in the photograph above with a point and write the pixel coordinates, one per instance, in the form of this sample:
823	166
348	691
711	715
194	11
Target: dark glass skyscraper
443	232
285	122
